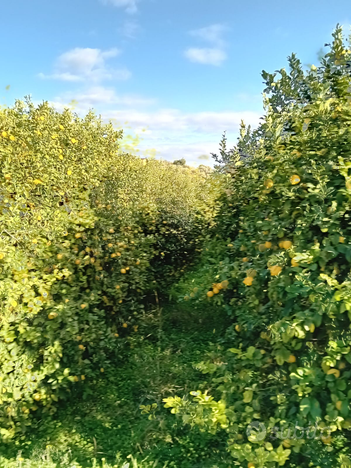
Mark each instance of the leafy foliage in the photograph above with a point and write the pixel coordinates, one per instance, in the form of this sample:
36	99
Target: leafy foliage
87	233
279	263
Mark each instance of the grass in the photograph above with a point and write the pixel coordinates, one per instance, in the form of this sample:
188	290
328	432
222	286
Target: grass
103	420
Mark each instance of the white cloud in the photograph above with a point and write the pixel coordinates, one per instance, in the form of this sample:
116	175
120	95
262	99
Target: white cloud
130	29
206	56
129	5
100	95
86	65
211	34
172	133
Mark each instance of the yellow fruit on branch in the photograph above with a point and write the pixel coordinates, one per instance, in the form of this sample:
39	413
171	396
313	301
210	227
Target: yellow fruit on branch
275	270
268	245
295	179
210	293
215	291
286	244
237	328
268	183
291	359
248	281
245	259
123	271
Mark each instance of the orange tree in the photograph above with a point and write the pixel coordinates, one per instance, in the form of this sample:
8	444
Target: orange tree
83	241
279	263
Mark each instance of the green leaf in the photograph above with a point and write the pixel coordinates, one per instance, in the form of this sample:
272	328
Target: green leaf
305	406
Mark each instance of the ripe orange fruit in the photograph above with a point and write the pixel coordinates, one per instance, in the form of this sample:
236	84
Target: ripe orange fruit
268	245
295	179
123	271
291	359
268	183
215	291
248	281
275	270
245	259
210	293
125	325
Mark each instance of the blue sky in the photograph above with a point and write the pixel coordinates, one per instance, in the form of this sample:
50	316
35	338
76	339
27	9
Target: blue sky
179	72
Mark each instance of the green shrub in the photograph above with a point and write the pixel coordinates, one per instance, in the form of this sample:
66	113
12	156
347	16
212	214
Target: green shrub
284	245
87	233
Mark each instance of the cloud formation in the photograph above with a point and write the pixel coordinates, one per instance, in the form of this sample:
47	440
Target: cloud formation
130	29
214	55
211	34
99	95
129	5
173	134
85	64
206	56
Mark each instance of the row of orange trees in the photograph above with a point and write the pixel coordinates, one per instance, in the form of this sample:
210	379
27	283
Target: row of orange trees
87	232
279	263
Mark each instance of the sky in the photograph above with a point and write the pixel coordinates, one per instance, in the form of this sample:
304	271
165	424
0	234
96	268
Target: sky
175	74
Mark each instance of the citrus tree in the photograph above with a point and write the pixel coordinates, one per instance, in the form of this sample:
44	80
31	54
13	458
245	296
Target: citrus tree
279	263
87	232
